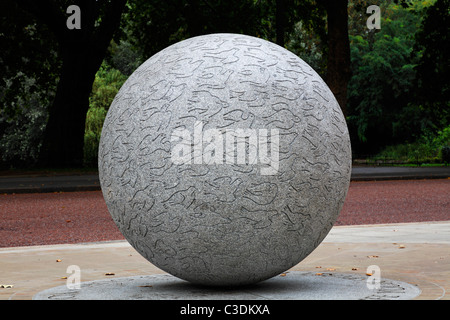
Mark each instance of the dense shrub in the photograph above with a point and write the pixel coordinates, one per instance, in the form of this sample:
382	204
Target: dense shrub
106	85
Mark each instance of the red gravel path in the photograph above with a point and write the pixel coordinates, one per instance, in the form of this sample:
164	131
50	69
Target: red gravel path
74	217
376	202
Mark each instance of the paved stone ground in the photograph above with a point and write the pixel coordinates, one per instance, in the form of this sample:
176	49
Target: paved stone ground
414	253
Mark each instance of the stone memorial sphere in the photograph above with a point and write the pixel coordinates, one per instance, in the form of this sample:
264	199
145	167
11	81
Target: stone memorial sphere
224	159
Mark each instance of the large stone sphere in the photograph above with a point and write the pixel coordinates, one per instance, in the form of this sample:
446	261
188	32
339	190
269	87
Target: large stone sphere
224	159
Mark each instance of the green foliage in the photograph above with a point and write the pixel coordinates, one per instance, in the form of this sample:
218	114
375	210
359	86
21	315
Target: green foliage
309	46
22	132
29	67
123	56
94	122
106	85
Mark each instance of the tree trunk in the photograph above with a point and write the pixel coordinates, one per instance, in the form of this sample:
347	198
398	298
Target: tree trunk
82	52
280	22
64	135
338	66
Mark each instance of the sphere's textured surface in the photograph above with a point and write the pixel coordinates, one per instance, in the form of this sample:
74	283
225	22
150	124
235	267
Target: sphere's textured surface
196	202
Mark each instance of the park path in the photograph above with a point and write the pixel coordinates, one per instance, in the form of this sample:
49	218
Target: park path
75	217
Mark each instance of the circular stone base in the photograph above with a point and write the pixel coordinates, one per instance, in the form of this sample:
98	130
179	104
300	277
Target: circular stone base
293	285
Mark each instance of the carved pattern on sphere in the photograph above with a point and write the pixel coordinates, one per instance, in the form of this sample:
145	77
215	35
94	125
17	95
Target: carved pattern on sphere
224	224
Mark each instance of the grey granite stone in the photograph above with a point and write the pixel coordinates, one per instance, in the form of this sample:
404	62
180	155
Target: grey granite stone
201	205
295	285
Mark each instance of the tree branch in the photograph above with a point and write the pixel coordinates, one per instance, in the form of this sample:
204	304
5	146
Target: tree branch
110	22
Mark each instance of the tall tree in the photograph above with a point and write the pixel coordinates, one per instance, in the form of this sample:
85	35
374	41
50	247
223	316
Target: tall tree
82	52
338	65
383	96
433	87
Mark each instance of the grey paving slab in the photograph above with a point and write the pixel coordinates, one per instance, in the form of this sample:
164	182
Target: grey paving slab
432	232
